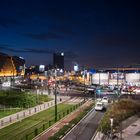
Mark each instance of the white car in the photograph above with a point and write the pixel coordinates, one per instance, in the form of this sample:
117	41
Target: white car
99	99
105	100
99	106
6	84
137	91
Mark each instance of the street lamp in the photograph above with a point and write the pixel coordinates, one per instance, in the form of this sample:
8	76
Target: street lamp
84	86
111	124
37	96
99	78
117	78
55	93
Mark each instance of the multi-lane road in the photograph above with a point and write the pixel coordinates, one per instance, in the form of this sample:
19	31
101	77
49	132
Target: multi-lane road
87	127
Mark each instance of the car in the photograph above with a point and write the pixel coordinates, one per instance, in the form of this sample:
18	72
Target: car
99	99
137	91
6	84
99	106
105	99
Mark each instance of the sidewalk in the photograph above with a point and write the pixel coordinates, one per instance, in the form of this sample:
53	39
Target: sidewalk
131	132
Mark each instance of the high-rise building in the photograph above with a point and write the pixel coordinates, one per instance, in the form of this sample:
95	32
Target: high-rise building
58	60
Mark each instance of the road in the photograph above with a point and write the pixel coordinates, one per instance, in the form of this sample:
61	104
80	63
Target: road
72	93
86	128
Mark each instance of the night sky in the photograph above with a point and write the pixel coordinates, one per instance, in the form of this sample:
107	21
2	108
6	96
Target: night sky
95	33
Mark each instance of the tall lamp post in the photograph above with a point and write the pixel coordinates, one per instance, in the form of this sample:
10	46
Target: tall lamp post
84	85
99	78
117	78
117	84
55	93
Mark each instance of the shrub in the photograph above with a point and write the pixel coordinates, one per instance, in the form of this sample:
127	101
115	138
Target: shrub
21	99
119	111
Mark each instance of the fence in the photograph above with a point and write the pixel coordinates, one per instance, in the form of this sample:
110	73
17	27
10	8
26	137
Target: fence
40	127
26	113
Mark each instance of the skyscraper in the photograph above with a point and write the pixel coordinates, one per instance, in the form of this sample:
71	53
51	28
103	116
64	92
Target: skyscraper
58	60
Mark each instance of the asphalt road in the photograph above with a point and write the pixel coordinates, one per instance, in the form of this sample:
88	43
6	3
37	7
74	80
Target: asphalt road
73	93
86	128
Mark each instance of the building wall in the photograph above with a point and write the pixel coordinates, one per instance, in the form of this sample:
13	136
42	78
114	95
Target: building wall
58	60
103	78
8	67
133	77
100	78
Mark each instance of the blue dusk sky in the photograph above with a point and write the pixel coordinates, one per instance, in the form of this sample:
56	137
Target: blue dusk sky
93	33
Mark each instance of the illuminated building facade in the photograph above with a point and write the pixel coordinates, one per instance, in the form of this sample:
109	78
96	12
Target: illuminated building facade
117	76
11	66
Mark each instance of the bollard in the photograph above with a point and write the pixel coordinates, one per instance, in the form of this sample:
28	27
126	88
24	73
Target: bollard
29	111
17	116
67	111
26	137
43	127
36	132
24	114
49	123
10	119
63	114
59	116
2	122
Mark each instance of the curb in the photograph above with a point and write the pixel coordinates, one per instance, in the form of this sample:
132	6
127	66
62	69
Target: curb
35	138
78	123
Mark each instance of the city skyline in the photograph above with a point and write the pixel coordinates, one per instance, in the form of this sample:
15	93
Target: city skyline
91	33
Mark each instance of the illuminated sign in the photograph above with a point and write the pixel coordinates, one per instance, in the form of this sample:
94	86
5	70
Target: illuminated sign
42	68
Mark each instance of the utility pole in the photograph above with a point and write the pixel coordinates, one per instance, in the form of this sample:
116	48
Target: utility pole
117	83
99	78
117	79
121	132
84	83
55	93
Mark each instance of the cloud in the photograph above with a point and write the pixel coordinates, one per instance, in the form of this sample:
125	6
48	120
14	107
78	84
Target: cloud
68	54
31	50
6	22
48	36
6	47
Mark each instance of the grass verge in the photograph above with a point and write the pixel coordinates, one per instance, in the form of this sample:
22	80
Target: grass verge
62	132
31	126
6	112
